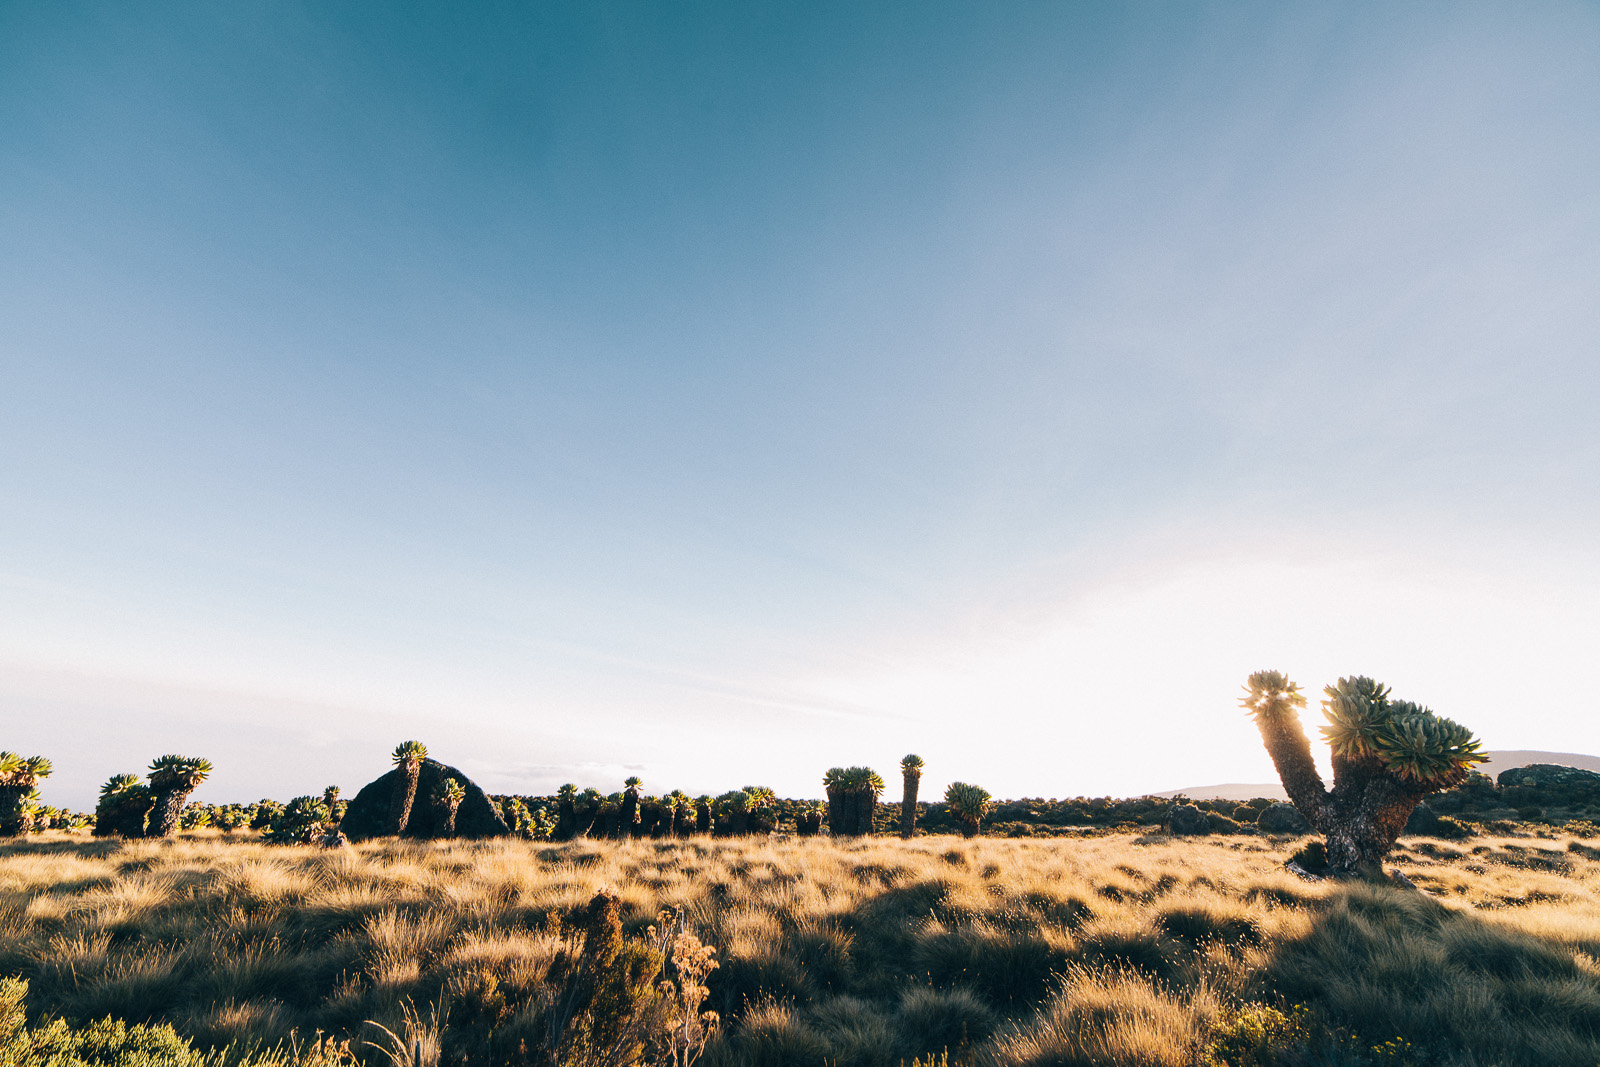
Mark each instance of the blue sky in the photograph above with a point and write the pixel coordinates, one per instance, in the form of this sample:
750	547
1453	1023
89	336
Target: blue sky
725	392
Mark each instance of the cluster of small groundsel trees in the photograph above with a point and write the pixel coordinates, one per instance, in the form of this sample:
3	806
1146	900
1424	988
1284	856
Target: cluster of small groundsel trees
850	810
152	808
632	814
22	810
853	799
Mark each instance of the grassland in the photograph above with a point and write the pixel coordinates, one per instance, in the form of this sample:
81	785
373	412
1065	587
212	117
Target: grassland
1110	949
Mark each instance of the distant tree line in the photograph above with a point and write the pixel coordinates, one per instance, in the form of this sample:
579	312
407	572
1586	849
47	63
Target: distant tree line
423	798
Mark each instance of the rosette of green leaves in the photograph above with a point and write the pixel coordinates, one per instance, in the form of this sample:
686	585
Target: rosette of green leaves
178	773
15	770
1424	747
859	780
967	802
1357	710
119	783
1270	694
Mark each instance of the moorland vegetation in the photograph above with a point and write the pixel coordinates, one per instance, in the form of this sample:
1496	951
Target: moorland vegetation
1105	948
425	920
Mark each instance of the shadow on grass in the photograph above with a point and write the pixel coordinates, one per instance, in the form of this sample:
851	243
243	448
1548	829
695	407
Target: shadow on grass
1463	987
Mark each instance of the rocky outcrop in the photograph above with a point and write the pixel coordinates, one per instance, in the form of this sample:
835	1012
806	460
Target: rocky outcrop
367	816
1546	775
1282	819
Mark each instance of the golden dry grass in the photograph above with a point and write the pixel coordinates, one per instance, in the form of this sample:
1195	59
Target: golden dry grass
1095	950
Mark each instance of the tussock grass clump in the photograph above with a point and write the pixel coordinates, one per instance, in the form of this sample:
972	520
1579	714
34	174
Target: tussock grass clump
868	950
1108	1016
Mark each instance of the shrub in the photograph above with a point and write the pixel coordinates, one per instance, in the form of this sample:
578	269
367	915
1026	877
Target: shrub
1281	819
1450	829
113	1043
1259	1035
1187	819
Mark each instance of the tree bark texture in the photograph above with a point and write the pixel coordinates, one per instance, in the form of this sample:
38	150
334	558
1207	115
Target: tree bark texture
583	825
866	806
12	820
566	820
405	795
908	804
837	818
164	813
628	819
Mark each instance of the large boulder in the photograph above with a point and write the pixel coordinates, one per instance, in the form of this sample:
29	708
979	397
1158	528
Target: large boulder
368	814
1423	820
1548	774
1187	819
1281	819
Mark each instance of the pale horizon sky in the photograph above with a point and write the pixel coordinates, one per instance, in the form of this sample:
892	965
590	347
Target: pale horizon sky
723	393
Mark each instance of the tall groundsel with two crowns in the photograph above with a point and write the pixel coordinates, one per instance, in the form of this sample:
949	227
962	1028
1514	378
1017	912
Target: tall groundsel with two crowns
1387	755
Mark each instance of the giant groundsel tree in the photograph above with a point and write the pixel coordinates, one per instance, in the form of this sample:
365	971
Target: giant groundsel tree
124	805
408	757
968	803
172	778
911	776
19	797
852	799
1387	755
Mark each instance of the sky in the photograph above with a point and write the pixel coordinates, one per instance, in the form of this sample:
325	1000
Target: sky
722	392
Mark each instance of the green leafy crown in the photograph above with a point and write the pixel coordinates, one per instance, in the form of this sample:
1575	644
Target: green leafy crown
966	800
409	752
1270	694
178	772
1407	738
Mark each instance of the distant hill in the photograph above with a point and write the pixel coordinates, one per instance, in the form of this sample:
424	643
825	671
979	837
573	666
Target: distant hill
1499	760
1503	761
1229	791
